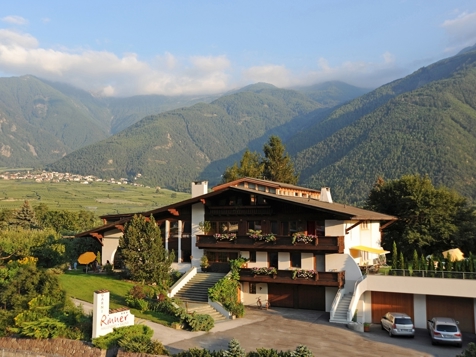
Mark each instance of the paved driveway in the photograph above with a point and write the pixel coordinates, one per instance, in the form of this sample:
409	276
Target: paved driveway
284	329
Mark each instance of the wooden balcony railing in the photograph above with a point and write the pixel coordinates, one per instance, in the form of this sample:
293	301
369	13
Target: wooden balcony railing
241	211
282	243
286	277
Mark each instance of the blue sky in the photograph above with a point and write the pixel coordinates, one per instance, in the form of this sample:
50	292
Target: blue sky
124	48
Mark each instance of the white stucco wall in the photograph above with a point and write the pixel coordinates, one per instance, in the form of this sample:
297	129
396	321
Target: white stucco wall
344	262
110	244
198	215
330	295
284	260
307	261
419	311
250	299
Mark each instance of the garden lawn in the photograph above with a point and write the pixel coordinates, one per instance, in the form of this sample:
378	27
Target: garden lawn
82	286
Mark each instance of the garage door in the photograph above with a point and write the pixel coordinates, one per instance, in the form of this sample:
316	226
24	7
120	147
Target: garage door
281	295
297	296
461	309
395	302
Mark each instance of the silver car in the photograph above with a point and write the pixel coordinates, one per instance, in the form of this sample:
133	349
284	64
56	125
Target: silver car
398	324
444	330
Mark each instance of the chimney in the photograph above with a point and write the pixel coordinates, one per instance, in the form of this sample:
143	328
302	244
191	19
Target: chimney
199	188
326	195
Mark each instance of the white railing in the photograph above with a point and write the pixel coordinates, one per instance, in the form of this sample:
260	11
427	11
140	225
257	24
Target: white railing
182	281
355	298
219	307
335	303
445	274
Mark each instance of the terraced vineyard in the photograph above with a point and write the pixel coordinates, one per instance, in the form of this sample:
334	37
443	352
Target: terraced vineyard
99	197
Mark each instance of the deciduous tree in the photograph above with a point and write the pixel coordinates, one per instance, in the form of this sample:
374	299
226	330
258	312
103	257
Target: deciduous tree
430	219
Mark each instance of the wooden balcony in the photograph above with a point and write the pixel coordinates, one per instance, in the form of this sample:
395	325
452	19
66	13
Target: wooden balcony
240	211
282	243
286	277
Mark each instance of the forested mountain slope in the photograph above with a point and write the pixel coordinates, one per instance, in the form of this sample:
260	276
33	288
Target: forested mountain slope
39	124
171	149
424	123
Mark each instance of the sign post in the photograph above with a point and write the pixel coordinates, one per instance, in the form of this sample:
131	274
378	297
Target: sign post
104	320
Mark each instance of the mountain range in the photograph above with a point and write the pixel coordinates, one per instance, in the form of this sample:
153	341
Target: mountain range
338	135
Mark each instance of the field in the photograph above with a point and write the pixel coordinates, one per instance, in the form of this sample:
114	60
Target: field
98	197
82	286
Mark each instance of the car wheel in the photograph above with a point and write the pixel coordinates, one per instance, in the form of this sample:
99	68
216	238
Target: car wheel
433	342
390	332
381	325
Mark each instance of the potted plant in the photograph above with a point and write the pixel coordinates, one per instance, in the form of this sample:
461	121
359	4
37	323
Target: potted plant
367	326
204	264
205	227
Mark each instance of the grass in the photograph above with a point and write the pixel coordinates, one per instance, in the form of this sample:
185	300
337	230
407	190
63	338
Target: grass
98	197
82	286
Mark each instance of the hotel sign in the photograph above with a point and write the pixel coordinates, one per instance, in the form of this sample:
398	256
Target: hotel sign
105	320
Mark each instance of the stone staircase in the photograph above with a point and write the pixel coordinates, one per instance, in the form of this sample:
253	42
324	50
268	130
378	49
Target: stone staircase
340	316
196	290
195	294
204	308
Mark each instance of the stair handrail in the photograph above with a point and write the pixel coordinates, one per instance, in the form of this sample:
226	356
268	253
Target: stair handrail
350	313
340	293
184	279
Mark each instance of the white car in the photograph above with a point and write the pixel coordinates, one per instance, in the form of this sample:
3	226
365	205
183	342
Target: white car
444	330
398	324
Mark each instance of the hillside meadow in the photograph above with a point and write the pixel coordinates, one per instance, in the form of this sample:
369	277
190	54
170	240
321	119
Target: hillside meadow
99	197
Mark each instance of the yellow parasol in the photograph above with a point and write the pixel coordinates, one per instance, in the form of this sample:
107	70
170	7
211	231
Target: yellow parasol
87	258
454	254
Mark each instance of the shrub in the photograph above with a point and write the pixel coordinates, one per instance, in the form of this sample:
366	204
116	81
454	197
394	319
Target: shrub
199	352
234	350
302	351
126	335
263	352
199	322
469	352
142	344
42	328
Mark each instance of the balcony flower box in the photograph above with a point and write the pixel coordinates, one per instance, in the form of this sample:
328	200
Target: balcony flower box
300	237
304	274
264	271
258	236
225	237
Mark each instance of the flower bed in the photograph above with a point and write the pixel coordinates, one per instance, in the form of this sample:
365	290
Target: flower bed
305	274
264	271
258	236
303	238
225	236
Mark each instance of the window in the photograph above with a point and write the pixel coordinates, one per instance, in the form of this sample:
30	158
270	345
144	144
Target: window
254	225
295	259
228	227
261	200
273	259
252	288
253	257
364	225
253	200
274	227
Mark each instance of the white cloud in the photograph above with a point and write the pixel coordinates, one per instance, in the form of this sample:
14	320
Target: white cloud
461	31
16	20
362	74
109	74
